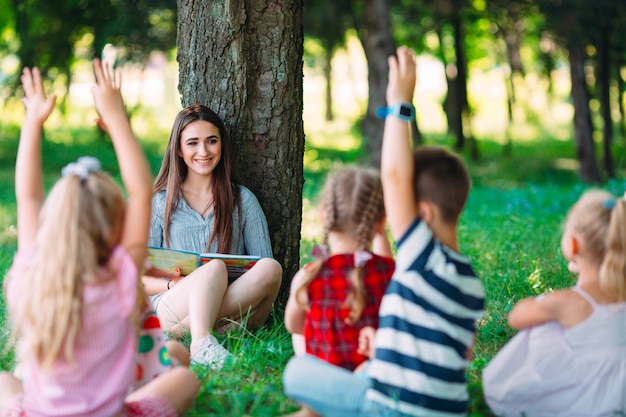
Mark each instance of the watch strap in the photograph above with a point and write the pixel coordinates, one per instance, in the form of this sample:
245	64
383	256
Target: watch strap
403	111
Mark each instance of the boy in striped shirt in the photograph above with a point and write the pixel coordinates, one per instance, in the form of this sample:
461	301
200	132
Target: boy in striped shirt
428	314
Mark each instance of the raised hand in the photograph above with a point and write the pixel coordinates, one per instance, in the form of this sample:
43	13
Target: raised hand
107	92
38	106
402	76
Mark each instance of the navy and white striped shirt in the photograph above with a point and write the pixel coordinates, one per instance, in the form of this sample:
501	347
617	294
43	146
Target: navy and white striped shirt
427	323
190	231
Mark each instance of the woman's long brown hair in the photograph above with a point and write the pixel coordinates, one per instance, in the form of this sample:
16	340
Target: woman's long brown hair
173	172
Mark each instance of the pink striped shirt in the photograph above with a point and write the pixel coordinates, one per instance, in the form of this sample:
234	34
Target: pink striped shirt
102	373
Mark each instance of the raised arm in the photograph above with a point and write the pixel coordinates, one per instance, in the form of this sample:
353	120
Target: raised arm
28	173
133	164
397	153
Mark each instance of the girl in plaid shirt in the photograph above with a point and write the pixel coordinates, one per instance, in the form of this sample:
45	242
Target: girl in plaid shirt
335	296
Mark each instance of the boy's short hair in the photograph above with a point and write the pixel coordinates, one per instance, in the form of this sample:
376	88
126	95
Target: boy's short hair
442	179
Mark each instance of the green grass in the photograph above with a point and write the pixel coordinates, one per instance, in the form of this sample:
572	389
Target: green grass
510	230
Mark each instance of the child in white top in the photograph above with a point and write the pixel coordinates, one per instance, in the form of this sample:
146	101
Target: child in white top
569	359
73	290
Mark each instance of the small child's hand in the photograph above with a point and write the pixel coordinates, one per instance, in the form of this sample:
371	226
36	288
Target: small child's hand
107	92
366	341
38	107
402	76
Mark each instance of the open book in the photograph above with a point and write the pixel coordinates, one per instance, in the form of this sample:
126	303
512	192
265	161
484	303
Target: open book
168	260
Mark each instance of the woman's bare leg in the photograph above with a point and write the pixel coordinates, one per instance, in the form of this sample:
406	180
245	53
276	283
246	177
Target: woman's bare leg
252	295
195	302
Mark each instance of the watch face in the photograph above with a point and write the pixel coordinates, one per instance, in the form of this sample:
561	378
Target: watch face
406	111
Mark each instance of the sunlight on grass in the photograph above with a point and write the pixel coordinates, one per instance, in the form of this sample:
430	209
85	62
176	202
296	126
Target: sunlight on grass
536	282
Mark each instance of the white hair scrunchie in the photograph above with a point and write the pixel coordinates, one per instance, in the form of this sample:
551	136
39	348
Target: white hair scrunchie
361	257
82	167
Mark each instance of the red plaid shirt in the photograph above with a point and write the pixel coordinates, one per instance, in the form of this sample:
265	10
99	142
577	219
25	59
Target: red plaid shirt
327	334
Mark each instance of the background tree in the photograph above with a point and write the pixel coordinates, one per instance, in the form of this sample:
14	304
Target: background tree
565	19
606	19
243	59
317	15
509	21
373	24
48	32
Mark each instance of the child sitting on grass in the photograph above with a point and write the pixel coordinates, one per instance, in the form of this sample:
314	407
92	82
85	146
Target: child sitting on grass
427	316
569	359
73	290
334	297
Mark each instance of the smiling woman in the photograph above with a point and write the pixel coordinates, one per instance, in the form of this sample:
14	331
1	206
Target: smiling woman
198	206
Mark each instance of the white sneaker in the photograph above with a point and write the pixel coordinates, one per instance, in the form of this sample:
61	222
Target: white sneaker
211	353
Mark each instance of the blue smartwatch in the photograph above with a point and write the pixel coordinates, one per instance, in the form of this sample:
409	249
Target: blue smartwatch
402	111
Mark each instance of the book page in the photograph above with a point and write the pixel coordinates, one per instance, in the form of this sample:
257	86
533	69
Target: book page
170	259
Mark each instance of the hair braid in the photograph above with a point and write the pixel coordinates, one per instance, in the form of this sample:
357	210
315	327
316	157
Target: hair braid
368	209
311	270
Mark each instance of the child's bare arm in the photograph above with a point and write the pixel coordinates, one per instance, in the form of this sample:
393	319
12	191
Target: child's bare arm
397	156
564	306
530	312
28	172
294	314
133	165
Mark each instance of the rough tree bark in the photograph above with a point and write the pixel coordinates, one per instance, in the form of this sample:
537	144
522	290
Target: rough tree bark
243	59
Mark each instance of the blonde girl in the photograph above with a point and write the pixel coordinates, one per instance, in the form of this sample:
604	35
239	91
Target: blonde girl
569	358
72	291
338	294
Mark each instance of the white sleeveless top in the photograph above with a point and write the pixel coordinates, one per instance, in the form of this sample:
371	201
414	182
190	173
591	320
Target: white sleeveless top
549	370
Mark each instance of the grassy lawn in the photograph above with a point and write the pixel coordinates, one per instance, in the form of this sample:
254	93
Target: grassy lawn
510	230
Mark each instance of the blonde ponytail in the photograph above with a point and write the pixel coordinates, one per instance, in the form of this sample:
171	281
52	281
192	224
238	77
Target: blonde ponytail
613	269
79	225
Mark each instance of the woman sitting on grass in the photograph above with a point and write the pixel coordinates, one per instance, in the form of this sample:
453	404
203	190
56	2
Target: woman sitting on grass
569	359
198	206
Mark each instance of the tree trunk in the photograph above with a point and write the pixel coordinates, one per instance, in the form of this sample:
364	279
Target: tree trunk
243	59
461	85
583	129
621	86
378	44
603	81
328	77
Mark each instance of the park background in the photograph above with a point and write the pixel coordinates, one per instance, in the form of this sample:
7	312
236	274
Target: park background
520	140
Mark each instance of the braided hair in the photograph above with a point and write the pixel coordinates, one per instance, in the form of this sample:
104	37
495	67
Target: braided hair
352	200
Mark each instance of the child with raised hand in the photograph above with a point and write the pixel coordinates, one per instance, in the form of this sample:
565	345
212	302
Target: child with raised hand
428	313
335	296
569	358
72	291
